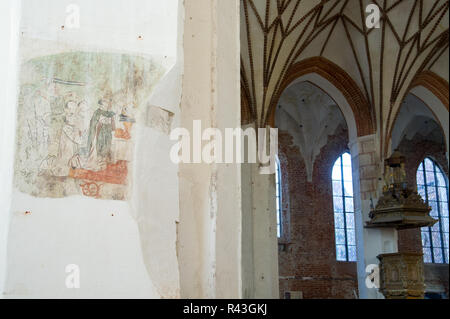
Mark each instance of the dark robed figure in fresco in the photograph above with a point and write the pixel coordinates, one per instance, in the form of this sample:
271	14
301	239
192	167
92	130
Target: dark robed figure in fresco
101	130
99	165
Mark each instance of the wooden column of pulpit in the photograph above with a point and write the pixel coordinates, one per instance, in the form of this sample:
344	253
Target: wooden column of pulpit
400	207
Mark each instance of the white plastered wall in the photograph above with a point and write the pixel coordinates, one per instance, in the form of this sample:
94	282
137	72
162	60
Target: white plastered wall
123	249
9	26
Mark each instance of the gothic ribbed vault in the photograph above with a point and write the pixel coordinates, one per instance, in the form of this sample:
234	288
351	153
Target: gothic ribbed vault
383	62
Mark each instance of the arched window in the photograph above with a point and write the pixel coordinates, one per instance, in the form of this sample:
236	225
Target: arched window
433	187
344	213
278	197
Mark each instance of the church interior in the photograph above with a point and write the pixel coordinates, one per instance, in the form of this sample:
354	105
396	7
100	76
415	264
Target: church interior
94	206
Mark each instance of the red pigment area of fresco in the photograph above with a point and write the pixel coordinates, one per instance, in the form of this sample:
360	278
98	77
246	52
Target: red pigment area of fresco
113	174
124	133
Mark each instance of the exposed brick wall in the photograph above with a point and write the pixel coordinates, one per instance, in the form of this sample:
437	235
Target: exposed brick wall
415	150
309	262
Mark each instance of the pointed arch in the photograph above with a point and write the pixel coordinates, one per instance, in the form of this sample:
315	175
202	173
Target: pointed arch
435	84
433	91
361	108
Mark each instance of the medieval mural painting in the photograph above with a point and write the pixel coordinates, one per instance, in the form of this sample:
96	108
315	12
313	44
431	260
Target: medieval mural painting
75	123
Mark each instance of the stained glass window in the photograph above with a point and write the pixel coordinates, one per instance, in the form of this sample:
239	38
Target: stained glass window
278	197
344	212
432	186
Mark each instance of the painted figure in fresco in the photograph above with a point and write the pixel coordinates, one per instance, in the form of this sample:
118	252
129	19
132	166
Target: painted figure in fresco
101	130
67	140
43	103
70	141
127	122
75	118
40	125
82	120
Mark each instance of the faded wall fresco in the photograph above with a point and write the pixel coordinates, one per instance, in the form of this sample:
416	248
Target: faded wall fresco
75	123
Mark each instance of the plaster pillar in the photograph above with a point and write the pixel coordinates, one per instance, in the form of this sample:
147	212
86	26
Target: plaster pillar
265	241
248	262
209	232
370	242
259	237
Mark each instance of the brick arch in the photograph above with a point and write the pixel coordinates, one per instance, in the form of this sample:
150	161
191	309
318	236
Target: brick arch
361	108
433	83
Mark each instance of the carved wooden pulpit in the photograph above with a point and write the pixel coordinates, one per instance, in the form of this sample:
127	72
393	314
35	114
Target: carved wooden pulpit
402	276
